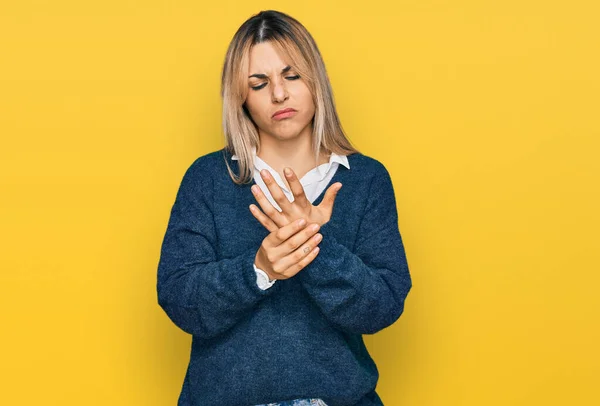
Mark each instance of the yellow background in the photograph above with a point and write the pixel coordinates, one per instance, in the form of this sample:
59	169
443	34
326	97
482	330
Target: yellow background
485	113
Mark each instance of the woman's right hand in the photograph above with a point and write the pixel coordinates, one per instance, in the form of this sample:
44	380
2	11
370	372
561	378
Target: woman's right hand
286	251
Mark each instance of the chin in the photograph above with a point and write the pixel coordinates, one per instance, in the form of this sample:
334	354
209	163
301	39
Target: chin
286	135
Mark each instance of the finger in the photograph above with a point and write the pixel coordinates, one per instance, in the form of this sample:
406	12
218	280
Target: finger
276	191
306	258
331	194
296	187
263	219
277	237
291	257
308	235
300	238
266	205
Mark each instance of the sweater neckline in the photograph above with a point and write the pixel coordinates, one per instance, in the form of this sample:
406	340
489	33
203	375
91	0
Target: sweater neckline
339	173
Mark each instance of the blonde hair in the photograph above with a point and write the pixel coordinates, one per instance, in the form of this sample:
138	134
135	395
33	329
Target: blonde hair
292	40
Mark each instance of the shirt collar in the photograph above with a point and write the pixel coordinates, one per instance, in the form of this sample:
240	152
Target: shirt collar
341	159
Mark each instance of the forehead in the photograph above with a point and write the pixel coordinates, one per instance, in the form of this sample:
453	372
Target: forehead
264	58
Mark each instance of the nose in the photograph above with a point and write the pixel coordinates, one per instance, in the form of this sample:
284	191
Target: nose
280	93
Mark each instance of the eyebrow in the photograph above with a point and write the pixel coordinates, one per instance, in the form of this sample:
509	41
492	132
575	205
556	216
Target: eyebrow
263	76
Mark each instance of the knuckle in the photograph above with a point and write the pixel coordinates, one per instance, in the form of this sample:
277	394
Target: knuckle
312	230
291	271
293	243
280	234
302	262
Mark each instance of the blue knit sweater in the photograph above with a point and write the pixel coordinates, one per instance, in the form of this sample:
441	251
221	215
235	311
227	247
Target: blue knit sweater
302	338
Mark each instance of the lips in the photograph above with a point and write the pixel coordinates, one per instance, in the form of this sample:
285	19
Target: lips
283	111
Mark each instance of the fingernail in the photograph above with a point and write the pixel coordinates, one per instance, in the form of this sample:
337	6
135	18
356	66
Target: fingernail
287	172
301	222
254	189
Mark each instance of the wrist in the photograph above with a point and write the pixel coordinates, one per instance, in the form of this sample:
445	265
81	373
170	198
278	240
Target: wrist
258	266
263	280
269	277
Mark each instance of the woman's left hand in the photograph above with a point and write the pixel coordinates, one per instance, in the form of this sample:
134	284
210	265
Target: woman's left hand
272	219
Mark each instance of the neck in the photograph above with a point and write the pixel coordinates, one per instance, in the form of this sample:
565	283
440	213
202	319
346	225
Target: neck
296	153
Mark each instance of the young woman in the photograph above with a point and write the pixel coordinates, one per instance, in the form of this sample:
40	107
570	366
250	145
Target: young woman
277	276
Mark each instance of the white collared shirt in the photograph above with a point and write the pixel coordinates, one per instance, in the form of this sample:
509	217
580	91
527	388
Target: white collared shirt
313	183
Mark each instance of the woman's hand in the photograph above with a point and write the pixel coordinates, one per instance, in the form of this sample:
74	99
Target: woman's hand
287	250
301	207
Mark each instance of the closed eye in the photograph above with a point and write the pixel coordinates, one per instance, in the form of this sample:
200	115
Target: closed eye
264	84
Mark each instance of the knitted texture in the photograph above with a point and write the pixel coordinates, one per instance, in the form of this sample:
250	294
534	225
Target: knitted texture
301	338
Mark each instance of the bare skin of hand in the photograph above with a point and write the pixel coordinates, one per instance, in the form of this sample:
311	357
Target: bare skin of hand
286	251
301	207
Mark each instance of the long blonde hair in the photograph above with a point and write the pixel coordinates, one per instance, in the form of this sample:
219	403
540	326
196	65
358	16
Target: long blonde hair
291	39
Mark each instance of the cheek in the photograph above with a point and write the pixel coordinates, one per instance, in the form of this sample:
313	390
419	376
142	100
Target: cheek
308	105
307	99
255	106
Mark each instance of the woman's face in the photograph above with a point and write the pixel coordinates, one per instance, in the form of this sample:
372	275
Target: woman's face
274	86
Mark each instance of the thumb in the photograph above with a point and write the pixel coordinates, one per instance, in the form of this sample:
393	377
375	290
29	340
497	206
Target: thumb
331	194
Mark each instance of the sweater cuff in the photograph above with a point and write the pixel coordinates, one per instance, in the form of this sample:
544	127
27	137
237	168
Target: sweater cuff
250	274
